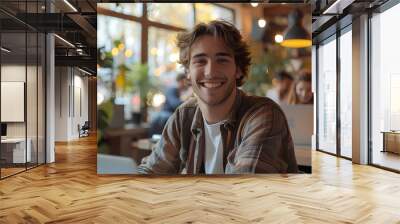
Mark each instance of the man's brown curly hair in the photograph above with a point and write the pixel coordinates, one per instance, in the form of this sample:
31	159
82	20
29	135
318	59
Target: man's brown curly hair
218	28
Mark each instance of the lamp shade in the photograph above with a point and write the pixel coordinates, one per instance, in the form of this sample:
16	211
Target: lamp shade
296	36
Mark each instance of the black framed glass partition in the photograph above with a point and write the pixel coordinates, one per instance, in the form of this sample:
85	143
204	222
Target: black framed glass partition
13	86
345	94
22	77
326	109
385	87
378	73
334	90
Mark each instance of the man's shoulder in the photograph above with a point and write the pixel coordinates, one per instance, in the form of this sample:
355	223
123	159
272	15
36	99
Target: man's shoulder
254	102
259	107
187	109
262	112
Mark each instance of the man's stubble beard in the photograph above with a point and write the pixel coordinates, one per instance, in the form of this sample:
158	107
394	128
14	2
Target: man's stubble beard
228	92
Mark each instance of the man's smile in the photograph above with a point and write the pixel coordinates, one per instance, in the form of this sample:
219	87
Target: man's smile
211	84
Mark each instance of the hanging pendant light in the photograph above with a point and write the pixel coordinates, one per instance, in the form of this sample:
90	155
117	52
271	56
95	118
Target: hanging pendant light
296	36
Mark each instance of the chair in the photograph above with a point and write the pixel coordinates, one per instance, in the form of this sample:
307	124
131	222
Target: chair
84	130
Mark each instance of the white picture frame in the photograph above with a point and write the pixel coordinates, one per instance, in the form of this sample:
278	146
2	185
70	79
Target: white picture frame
12	101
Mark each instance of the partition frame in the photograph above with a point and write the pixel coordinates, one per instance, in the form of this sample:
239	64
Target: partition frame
44	94
337	30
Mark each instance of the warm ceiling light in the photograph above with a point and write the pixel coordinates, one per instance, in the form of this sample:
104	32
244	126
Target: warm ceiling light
65	41
278	38
5	50
296	43
262	23
254	4
128	53
296	36
114	51
71	6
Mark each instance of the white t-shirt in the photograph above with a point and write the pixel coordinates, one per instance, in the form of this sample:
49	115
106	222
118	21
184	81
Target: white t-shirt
214	150
273	95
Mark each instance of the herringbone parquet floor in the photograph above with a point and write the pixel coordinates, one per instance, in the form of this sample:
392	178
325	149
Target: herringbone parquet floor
69	191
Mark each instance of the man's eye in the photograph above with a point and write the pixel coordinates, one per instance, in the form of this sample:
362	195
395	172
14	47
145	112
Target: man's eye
199	62
222	60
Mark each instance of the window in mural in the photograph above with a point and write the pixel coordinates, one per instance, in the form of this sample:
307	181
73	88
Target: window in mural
161	12
208	12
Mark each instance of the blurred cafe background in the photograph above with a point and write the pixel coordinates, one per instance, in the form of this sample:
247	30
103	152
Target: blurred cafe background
139	80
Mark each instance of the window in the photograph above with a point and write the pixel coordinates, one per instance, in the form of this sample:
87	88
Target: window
327	96
134	9
346	94
163	54
111	29
385	86
22	76
120	38
161	12
208	12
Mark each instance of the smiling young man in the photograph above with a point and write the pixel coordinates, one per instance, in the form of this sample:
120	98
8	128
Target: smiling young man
221	130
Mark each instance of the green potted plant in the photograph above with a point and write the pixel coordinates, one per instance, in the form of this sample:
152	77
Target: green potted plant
140	82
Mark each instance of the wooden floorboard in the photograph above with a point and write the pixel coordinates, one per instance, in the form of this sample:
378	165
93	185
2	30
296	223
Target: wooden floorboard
70	191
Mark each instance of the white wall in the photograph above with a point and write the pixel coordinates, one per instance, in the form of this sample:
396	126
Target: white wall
71	87
61	103
12	73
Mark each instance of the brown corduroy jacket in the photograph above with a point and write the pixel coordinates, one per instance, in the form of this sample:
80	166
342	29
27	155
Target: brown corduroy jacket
255	138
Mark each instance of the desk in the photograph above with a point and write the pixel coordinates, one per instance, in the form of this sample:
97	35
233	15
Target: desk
16	148
391	141
120	139
302	152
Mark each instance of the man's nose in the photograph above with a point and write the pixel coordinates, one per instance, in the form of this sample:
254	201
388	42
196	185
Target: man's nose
210	70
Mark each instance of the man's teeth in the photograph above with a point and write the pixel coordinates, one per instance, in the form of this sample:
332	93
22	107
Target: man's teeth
212	85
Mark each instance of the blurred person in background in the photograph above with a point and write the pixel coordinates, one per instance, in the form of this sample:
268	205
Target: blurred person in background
281	87
174	96
301	92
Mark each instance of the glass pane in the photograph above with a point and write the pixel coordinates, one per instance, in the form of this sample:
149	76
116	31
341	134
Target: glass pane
206	12
13	85
327	97
161	12
119	43
134	9
114	31
346	94
162	60
41	99
163	55
385	89
31	98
